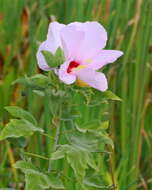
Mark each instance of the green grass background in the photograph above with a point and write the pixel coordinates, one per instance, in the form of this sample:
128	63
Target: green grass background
23	24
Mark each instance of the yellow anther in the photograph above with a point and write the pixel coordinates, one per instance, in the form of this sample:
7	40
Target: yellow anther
79	67
81	83
88	61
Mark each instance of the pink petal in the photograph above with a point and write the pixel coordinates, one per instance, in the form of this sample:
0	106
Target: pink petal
71	41
103	58
51	44
53	36
40	58
64	76
95	38
95	79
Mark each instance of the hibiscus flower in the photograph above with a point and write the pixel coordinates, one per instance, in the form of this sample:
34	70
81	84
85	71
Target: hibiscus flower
82	44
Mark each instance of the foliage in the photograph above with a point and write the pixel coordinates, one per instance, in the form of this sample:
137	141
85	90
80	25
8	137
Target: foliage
79	148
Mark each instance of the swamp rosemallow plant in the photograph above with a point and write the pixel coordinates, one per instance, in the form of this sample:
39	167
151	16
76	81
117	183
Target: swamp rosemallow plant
76	141
82	44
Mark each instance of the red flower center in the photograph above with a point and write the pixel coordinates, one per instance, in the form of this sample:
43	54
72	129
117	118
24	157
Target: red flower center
72	65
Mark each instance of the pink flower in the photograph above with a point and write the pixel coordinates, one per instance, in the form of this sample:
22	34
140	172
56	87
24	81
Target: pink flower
82	44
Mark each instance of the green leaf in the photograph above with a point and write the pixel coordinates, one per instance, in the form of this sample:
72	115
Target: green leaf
23	80
92	125
60	152
79	161
54	60
87	141
18	128
111	96
76	158
56	182
36	179
26	167
90	140
95	181
20	113
39	80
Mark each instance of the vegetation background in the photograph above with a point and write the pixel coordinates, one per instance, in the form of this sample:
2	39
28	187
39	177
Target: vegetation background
24	23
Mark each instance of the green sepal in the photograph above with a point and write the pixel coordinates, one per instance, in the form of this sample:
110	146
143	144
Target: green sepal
53	60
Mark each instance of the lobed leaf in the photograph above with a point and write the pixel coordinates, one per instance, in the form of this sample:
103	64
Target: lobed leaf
95	181
91	140
60	152
78	159
20	113
36	179
18	128
37	82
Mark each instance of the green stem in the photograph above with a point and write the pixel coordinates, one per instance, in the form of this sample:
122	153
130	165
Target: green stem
55	132
36	155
